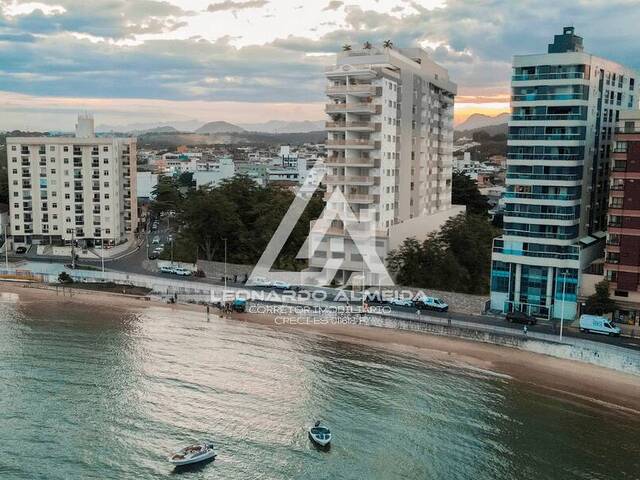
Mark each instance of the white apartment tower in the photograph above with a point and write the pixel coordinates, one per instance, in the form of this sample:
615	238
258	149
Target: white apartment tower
72	188
389	152
564	108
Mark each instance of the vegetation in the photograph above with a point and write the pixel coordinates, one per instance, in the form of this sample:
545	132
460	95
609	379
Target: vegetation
600	302
238	210
464	191
65	278
458	258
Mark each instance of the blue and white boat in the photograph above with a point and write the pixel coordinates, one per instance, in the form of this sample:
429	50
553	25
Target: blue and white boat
193	454
320	435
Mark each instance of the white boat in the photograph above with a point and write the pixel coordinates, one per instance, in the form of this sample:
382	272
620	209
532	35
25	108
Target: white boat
193	454
320	435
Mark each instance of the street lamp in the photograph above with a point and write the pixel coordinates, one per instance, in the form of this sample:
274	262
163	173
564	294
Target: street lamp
225	265
564	289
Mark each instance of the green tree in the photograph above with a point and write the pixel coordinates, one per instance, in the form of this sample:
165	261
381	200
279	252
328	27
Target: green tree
185	179
166	195
464	191
600	302
457	258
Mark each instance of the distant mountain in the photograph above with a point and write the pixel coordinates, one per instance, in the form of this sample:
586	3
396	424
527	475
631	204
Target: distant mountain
479	120
169	140
165	129
180	125
281	126
219	127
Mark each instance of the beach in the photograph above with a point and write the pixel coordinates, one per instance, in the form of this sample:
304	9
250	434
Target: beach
578	382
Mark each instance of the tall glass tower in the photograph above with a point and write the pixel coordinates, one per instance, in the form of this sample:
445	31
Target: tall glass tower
564	107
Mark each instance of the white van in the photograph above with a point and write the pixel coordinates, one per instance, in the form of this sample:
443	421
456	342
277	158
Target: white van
596	324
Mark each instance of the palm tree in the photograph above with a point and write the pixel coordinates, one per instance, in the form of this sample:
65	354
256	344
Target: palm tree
367	46
387	44
346	47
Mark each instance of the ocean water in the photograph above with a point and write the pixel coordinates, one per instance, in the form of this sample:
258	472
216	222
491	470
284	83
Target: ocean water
108	394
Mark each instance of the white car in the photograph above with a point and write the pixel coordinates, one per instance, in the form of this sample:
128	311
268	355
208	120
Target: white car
182	271
280	285
401	302
259	282
155	240
167	269
596	324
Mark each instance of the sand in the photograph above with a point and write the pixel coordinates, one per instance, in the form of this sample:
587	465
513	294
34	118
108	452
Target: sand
606	390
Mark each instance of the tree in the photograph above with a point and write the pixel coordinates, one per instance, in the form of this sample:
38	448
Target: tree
166	195
185	179
464	191
367	46
600	302
457	258
346	47
387	44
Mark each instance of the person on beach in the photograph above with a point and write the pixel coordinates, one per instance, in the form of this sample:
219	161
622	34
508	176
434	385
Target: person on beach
524	329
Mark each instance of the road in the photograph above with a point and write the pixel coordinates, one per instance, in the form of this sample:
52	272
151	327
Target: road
133	263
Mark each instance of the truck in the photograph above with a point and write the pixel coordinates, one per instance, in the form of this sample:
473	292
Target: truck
596	324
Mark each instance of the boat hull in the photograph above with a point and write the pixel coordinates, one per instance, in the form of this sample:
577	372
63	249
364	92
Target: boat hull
190	461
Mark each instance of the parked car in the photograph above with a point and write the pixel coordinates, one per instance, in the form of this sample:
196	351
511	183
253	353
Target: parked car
401	302
431	303
280	285
182	271
154	255
167	269
375	298
155	240
521	317
596	324
21	250
260	282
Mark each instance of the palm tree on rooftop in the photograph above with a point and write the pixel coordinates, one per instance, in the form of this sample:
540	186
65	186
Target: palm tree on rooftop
387	44
367	46
346	47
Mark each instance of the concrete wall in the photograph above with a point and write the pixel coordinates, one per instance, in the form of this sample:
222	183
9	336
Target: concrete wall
421	227
596	353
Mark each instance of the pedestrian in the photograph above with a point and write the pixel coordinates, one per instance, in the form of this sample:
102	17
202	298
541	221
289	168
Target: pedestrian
207	312
235	278
524	329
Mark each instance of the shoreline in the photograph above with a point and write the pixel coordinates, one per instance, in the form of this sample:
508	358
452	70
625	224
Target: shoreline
570	380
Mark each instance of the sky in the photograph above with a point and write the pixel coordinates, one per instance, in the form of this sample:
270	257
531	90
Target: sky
249	61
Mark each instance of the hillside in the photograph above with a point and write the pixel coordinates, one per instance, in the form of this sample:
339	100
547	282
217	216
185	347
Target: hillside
479	120
168	140
219	127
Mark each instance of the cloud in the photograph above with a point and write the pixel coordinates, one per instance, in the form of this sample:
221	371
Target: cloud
138	49
112	19
333	5
236	5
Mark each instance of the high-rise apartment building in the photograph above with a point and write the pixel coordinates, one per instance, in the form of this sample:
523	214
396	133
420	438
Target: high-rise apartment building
622	263
389	153
565	105
66	188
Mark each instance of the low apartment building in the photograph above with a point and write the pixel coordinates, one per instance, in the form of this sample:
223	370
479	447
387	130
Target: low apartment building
622	261
66	188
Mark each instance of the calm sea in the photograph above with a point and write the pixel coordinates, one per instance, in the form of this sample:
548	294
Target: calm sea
94	394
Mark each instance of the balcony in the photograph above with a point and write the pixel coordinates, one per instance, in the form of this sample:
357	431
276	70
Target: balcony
547	76
349	179
541	196
357	89
359	198
359	143
349	162
543	177
359	126
544	156
547	137
363	107
535	97
554	117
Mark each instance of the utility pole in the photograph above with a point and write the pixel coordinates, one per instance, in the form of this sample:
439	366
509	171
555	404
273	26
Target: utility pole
225	265
73	249
564	288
